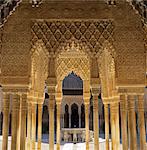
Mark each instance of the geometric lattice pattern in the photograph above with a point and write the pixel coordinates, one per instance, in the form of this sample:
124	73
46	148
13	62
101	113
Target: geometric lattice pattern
54	33
80	66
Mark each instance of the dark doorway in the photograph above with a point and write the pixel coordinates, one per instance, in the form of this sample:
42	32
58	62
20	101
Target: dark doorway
66	117
74	116
82	116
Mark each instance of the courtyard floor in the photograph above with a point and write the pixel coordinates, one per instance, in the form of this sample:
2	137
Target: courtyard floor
64	146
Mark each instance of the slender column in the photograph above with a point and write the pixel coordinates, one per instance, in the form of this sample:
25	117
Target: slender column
115	126
87	124
106	125
96	122
51	121
39	125
15	113
0	124
19	125
141	122
69	116
132	122
23	122
146	122
117	136
33	126
6	103
112	128
123	108
58	124
80	117
29	118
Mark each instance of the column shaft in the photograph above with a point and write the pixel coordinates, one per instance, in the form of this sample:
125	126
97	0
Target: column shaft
58	125
39	125
70	117
117	136
19	125
132	123
96	123
29	118
33	126
141	122
15	115
123	108
106	125
6	100
23	122
113	142
51	122
115	126
87	124
79	117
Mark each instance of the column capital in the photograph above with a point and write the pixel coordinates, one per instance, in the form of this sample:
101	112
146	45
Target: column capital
86	95
131	97
95	91
140	97
111	100
122	97
58	98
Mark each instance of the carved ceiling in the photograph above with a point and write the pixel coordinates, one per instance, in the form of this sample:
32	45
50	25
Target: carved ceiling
55	33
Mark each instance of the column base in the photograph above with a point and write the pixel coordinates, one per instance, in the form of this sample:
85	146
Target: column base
39	145
87	146
33	146
107	144
58	147
28	145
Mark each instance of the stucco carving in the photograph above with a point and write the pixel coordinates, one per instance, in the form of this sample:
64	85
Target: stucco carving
39	69
73	58
55	33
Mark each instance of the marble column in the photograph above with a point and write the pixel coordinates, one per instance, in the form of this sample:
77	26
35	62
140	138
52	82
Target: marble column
19	124
23	121
124	132
33	126
15	115
29	124
39	126
115	133
69	116
141	122
87	124
0	124
132	122
79	111
6	103
146	122
106	112
51	121
112	116
96	122
58	125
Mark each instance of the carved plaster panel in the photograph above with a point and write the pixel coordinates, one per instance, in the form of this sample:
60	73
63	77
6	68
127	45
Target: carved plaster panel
54	33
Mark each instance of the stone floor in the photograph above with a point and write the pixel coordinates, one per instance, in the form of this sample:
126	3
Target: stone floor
64	146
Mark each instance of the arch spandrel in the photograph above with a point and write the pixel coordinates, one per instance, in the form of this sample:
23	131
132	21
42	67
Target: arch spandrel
73	58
